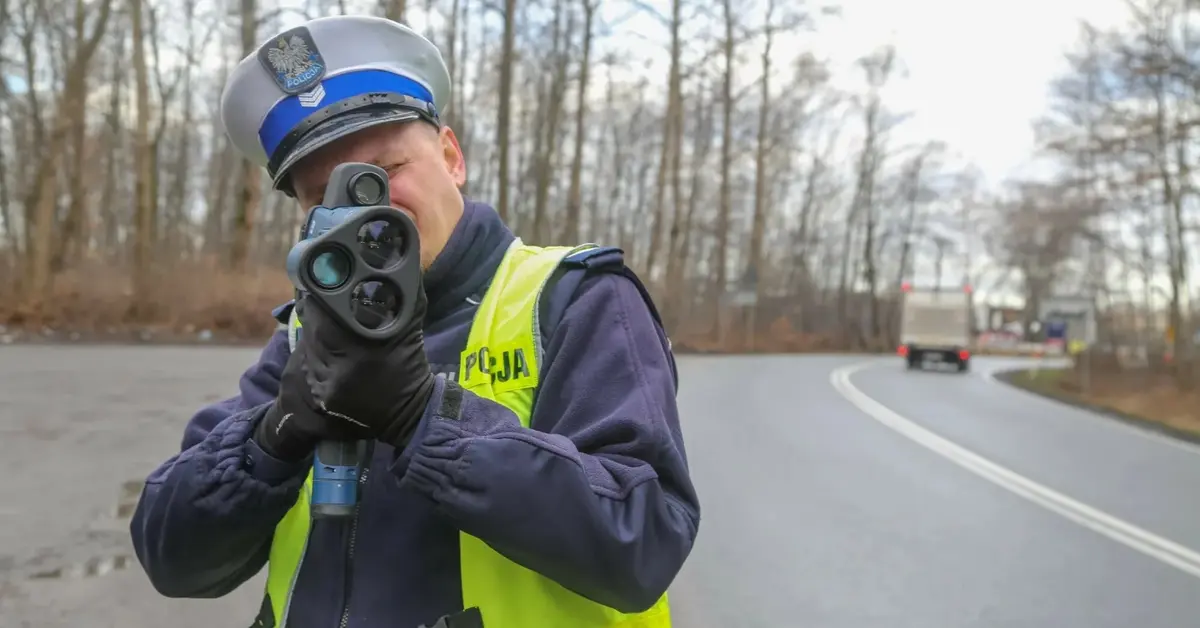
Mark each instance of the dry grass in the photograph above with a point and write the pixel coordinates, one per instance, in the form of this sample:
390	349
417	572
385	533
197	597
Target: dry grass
1141	394
97	302
1157	399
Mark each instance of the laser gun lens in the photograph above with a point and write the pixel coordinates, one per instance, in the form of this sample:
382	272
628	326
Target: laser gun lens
375	305
367	189
382	243
331	269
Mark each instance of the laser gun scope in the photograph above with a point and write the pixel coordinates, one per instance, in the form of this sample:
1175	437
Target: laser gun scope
360	258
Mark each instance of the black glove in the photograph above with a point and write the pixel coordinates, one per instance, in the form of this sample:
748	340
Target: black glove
339	386
294	424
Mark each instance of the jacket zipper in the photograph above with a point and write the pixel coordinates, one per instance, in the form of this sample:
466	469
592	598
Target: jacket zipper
349	574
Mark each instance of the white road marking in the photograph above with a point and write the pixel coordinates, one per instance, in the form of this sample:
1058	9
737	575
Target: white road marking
1127	534
1147	433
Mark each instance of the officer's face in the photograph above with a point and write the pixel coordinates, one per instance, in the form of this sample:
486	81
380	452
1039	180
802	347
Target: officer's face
426	169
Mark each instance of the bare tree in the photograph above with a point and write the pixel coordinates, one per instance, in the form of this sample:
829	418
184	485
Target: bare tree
503	111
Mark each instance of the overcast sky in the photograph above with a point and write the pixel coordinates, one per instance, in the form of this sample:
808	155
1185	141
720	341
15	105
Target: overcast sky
977	76
978	70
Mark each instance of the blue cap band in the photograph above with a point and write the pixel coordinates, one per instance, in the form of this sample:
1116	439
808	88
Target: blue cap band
288	113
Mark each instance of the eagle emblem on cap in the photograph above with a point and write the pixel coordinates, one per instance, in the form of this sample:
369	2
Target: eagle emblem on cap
290	56
294	61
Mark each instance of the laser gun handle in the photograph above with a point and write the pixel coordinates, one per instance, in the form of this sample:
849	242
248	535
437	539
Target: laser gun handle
335	479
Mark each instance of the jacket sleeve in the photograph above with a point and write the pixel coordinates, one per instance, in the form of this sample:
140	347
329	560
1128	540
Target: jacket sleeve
596	494
204	522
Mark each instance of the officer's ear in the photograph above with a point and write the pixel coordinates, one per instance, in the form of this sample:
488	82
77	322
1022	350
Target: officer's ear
456	165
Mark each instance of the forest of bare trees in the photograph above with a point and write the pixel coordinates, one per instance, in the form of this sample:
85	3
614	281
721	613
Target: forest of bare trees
761	203
1117	220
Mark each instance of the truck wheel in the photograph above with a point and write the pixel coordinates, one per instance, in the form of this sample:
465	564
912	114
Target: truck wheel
964	366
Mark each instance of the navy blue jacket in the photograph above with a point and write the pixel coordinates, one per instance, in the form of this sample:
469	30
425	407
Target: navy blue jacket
596	495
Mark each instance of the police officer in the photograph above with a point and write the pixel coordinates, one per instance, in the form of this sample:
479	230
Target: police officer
526	462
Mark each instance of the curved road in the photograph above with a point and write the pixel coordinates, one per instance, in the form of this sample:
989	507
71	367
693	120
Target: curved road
837	491
819	512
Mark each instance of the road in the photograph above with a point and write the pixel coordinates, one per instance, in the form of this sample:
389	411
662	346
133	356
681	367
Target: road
829	498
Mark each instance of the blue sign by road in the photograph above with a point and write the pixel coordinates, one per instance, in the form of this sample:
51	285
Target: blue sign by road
1056	330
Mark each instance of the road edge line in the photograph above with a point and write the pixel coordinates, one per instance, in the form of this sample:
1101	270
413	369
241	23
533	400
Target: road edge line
1123	532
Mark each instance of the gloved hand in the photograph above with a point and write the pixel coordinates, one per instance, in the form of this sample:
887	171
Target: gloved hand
338	386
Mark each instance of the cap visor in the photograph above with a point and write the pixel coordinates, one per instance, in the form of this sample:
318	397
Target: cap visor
336	128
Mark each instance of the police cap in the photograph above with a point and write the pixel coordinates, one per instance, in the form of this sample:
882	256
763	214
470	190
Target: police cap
327	78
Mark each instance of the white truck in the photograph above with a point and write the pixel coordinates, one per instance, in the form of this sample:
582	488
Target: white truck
935	325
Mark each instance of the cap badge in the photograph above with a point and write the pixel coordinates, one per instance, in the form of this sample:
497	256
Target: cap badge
293	60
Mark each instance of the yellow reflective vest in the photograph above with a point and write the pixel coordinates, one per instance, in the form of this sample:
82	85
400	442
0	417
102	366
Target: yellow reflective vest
505	327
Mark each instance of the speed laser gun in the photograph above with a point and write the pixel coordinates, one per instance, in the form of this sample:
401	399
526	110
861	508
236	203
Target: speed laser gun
359	259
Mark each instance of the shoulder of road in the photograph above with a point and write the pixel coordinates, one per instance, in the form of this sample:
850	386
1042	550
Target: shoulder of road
1137	399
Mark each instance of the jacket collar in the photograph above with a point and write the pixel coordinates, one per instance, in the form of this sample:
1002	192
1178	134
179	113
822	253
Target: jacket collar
465	267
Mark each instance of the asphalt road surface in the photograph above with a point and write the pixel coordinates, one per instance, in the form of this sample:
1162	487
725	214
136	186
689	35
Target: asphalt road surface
837	492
